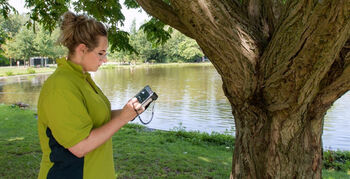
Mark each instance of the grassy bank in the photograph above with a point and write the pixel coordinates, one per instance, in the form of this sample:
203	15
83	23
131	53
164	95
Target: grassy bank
12	71
138	152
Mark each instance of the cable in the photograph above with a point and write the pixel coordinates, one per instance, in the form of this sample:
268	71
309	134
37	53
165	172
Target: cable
145	123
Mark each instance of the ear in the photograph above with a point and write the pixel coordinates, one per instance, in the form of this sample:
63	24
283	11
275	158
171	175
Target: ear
81	49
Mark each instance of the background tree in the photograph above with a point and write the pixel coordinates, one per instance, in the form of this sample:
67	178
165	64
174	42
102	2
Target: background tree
26	43
282	63
9	27
12	24
3	36
178	48
46	44
22	46
182	48
5	9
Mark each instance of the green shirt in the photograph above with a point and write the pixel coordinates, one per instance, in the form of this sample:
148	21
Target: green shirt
70	106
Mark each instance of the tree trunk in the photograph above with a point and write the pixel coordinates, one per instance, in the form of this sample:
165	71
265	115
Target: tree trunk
282	66
283	144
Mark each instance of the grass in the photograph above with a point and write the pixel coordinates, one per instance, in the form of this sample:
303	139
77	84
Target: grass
20	153
12	71
337	160
333	174
162	154
138	151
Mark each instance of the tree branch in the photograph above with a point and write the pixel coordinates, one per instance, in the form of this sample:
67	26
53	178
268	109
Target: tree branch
165	13
263	15
337	82
272	11
302	51
223	32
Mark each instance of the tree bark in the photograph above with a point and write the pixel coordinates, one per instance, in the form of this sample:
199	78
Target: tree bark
282	66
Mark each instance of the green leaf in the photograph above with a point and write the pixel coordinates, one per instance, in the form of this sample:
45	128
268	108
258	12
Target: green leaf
106	11
6	8
154	29
131	4
119	40
47	13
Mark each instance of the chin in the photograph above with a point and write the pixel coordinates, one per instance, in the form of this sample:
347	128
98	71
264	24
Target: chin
94	69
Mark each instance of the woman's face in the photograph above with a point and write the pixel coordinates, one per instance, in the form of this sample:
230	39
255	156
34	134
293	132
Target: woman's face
94	59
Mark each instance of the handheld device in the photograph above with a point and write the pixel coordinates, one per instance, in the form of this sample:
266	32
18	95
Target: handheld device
146	96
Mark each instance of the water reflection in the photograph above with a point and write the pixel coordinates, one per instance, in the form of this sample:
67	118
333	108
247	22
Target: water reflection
24	89
337	124
190	96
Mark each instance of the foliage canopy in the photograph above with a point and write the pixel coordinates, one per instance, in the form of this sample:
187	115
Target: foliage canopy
48	14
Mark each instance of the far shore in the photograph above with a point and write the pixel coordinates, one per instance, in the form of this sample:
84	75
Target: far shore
19	75
8	71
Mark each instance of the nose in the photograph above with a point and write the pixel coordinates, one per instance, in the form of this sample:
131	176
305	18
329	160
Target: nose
104	59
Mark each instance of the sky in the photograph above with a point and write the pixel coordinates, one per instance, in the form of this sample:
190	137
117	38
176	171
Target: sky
130	14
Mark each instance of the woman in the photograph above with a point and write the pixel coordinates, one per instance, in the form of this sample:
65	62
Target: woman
75	121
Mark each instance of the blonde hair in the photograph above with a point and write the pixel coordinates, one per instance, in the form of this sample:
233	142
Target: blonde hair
80	29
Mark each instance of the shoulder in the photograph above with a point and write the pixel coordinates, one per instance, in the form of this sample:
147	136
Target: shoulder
62	79
61	83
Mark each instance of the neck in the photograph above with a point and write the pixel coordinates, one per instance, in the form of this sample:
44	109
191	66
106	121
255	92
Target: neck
76	60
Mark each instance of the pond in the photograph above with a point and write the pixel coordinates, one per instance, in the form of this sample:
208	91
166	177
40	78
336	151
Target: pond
190	98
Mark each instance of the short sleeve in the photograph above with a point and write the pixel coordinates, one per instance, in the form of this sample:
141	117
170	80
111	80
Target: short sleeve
67	117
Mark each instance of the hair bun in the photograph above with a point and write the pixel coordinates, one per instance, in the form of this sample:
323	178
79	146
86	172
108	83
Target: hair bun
77	29
68	20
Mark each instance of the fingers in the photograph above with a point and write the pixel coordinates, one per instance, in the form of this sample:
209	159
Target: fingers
133	100
134	103
133	108
138	107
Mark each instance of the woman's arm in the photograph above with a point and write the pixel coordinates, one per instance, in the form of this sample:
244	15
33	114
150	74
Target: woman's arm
115	113
100	135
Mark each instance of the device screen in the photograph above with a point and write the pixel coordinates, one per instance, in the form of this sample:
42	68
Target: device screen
143	95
